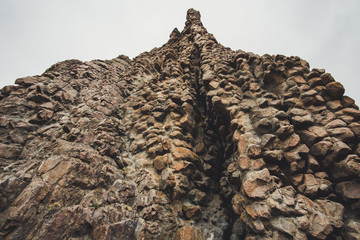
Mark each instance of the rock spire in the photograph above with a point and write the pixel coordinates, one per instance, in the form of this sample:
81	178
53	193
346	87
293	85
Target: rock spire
188	141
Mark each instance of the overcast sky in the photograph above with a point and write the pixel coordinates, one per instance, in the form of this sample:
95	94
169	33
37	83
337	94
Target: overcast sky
34	34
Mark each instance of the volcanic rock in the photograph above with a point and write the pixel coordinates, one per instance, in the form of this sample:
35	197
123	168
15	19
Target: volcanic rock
191	140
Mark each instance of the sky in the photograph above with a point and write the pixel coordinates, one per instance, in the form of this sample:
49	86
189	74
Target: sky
36	34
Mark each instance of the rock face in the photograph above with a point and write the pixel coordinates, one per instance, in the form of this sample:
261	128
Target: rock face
188	141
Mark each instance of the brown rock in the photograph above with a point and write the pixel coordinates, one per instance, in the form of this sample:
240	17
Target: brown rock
160	163
155	147
192	212
352	230
310	186
258	210
348	190
274	155
355	128
9	151
291	142
335	89
238	203
213	85
244	163
254	151
197	196
257	184
347	101
320	227
285	225
350	112
188	233
181	153
349	167
343	134
321	148
334	105
333	211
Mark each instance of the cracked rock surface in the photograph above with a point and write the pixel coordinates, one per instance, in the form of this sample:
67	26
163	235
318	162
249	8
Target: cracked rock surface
191	140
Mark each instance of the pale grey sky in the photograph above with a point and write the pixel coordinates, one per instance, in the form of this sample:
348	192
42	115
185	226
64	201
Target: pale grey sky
38	33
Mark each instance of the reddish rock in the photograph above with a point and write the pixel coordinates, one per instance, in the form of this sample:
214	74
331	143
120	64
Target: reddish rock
244	163
238	203
258	210
180	153
160	163
192	212
291	142
188	233
257	183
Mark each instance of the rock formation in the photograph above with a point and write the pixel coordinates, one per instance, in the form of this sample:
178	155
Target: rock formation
191	140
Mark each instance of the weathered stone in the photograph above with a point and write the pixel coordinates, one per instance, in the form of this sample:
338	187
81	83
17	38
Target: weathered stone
291	142
258	210
320	148
180	153
160	163
347	101
334	105
310	186
192	212
343	134
156	147
9	151
349	167
334	212
257	184
197	196
273	155
282	200
284	225
320	227
348	190
355	128
352	231
254	151
335	89
238	203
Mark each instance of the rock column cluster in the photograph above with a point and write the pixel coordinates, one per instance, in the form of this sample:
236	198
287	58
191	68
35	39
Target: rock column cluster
191	140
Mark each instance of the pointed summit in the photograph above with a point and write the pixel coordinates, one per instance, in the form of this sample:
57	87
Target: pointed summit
193	17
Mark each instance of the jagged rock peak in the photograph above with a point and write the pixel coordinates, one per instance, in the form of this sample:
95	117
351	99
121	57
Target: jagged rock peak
188	141
193	17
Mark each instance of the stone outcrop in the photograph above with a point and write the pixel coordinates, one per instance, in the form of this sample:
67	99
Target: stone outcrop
191	140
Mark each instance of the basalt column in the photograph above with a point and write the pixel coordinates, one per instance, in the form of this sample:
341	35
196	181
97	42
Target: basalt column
191	140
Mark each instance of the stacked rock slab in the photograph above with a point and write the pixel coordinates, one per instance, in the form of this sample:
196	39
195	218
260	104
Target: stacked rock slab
188	141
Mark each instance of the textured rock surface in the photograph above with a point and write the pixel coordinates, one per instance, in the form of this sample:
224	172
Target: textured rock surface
188	141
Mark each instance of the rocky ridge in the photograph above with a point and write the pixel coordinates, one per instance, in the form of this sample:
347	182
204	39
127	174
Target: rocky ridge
191	140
